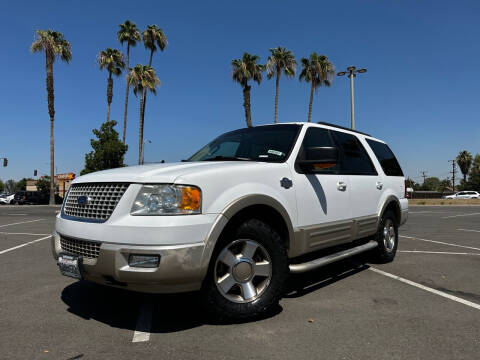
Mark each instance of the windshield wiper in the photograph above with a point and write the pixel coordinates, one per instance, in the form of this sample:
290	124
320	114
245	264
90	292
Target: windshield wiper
229	158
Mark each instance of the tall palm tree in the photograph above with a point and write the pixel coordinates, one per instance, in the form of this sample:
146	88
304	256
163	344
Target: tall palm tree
54	45
129	34
244	69
112	60
464	161
153	36
142	78
281	59
318	71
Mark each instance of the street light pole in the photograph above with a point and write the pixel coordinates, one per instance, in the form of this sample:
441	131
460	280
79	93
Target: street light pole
351	70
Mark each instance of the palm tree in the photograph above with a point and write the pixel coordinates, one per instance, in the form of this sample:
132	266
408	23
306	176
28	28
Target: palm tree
55	46
464	161
142	78
245	69
112	60
281	59
128	33
319	72
153	36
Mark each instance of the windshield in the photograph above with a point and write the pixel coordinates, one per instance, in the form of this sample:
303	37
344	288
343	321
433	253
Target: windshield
264	143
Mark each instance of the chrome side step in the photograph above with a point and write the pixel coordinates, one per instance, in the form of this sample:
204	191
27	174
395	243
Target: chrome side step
310	265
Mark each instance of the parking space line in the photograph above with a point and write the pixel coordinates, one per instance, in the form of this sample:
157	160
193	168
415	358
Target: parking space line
22	222
439	242
452	216
25	244
469	230
144	323
9	233
426	288
17	214
437	252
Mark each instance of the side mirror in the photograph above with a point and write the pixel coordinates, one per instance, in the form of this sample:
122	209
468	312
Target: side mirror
319	158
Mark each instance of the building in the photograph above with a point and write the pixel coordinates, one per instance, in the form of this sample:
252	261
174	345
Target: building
63	182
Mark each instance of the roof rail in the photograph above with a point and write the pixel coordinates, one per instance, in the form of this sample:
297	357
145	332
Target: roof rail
342	127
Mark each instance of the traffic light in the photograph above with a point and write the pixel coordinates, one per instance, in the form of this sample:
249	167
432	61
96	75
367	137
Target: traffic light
5	162
34	172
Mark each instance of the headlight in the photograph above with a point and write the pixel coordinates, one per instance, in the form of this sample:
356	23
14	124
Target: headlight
167	200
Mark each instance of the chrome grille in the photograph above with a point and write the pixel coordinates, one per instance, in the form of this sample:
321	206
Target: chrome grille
88	249
102	200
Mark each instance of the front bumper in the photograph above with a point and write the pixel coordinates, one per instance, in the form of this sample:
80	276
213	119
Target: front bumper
181	267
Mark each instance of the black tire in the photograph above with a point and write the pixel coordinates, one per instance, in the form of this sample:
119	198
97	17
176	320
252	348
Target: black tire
387	240
269	240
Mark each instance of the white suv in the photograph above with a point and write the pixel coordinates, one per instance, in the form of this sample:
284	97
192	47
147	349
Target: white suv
235	219
464	195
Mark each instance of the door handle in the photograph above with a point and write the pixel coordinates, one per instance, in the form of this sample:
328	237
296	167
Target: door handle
341	186
379	185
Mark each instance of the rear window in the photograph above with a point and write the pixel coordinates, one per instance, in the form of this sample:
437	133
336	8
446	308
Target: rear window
385	157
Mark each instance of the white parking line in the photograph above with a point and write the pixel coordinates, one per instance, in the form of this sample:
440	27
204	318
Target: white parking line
9	233
469	230
427	212
436	252
17	214
439	242
22	245
22	222
144	323
452	216
426	288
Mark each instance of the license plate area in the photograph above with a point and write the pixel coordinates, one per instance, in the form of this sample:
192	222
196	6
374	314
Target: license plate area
70	265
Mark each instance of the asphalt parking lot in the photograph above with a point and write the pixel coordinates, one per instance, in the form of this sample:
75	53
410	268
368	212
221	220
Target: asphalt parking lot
424	305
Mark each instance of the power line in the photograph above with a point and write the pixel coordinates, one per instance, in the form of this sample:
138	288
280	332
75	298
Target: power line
424	175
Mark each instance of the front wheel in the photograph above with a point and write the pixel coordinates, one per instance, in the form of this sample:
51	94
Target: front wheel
247	273
387	238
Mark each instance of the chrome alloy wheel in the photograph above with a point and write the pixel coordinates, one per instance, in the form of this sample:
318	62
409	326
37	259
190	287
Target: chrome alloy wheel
389	235
243	271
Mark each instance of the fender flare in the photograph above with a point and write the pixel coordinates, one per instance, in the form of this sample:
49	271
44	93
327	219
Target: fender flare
391	199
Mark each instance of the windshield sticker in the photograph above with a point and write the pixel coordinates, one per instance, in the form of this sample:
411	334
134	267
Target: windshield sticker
263	156
275	152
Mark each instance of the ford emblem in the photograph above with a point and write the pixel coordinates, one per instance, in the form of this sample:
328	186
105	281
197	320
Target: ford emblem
83	200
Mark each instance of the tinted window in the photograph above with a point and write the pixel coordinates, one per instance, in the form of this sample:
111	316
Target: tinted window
355	160
386	158
318	137
263	143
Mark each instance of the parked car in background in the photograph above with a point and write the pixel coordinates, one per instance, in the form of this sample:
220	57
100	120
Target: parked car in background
464	195
6	199
30	198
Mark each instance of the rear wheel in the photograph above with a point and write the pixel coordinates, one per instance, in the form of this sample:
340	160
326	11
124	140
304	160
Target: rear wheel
247	272
387	238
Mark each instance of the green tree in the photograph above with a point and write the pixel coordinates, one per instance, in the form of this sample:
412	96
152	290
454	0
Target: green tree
21	185
43	184
153	37
280	59
128	33
112	60
141	79
318	71
54	45
464	161
431	184
245	69
2	186
474	176
108	151
445	183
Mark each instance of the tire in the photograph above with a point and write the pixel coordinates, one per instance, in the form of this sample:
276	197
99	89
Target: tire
251	282
387	238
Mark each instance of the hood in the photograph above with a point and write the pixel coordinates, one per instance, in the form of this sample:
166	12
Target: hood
159	173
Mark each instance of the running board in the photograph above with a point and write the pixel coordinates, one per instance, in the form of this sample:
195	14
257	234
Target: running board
310	265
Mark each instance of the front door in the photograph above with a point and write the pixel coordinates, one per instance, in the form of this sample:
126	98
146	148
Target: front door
324	213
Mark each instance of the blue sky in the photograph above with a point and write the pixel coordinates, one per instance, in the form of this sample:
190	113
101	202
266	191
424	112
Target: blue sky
420	94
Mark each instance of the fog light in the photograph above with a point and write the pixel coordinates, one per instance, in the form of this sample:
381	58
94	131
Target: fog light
143	261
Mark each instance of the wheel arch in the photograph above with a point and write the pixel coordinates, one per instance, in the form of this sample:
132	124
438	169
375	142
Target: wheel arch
391	203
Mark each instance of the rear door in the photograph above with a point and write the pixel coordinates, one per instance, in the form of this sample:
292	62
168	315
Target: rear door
366	185
324	213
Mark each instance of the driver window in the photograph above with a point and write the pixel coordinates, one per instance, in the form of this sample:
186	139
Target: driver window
318	137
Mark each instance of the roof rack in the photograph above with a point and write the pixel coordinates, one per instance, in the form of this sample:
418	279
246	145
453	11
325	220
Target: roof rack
342	127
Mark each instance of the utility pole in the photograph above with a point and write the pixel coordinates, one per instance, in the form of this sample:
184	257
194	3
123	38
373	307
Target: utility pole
454	170
424	175
352	71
